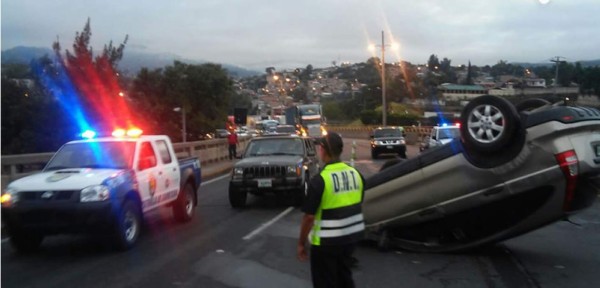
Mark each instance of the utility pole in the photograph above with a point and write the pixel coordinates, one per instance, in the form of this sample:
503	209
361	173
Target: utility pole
556	61
383	103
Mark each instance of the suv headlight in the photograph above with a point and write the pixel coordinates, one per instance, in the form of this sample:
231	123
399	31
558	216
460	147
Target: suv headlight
238	171
94	193
294	170
9	197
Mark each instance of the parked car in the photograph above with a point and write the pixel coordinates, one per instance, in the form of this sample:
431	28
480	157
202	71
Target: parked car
221	133
440	135
275	164
512	171
388	140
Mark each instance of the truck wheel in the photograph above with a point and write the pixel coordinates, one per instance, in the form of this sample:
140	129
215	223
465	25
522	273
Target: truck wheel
491	131
183	208
237	198
489	124
25	242
128	226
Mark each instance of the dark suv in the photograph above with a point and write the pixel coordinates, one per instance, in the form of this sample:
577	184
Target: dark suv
388	140
280	165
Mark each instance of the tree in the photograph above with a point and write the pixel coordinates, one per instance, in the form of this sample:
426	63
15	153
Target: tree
433	63
204	91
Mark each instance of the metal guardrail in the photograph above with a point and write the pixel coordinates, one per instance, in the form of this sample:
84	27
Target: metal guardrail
208	151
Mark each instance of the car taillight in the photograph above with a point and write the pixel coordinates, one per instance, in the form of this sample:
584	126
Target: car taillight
570	166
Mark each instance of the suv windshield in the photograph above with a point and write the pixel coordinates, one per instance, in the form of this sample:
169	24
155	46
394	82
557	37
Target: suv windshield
109	155
387	133
278	146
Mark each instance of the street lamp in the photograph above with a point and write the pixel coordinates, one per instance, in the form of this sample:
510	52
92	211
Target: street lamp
383	100
183	126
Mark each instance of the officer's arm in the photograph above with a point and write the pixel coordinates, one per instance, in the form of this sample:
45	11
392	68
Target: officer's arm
307	222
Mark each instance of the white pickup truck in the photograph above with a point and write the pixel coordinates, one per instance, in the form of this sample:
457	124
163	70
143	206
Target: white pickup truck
105	186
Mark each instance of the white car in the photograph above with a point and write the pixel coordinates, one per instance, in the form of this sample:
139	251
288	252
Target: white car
440	135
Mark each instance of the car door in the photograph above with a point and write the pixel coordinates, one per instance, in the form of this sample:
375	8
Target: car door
147	171
169	177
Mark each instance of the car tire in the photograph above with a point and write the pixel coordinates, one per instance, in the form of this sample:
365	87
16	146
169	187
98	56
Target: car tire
402	154
183	208
24	242
373	154
531	104
128	226
237	198
491	131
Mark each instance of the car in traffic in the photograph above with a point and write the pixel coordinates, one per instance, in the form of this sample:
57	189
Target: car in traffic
279	165
388	140
221	133
440	135
512	170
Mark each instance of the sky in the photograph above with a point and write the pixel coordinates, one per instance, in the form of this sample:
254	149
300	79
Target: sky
256	34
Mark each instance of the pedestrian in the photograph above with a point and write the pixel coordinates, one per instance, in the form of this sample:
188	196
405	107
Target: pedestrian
333	221
232	139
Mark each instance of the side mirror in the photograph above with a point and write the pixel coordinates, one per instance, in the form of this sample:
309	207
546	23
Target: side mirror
371	136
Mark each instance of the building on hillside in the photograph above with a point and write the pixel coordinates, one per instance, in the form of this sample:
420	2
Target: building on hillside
455	92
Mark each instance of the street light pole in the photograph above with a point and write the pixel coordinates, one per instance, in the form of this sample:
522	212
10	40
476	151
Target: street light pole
183	126
383	100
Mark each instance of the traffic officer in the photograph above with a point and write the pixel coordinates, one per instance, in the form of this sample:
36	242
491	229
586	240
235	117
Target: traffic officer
333	217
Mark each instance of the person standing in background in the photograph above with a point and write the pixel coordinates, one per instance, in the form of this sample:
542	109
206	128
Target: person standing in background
232	139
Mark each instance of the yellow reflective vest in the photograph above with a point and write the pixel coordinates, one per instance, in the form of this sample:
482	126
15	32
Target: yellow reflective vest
339	219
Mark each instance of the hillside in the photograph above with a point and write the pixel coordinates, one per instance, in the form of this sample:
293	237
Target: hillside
131	63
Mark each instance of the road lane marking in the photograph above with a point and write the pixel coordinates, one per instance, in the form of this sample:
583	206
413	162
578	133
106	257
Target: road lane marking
267	224
214	179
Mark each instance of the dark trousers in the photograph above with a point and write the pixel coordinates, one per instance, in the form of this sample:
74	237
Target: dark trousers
232	152
330	266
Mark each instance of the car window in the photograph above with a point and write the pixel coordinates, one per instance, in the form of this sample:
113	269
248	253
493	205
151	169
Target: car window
147	156
276	146
387	133
163	151
449	133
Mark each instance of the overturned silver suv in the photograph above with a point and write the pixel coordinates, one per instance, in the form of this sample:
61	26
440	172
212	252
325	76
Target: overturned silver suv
515	169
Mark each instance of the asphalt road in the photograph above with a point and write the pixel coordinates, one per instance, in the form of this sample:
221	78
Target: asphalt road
255	247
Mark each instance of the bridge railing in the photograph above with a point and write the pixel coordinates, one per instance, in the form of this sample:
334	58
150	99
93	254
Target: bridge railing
208	151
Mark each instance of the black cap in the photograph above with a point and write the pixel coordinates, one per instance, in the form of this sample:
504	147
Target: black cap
332	142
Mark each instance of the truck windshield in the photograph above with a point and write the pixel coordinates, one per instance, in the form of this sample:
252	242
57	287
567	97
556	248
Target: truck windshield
280	146
108	155
307	110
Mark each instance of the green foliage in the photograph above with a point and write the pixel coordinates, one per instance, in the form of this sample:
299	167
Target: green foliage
370	117
204	91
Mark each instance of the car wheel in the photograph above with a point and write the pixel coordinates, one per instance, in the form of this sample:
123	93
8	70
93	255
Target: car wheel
25	242
128	226
183	208
402	154
373	155
489	124
531	104
237	198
